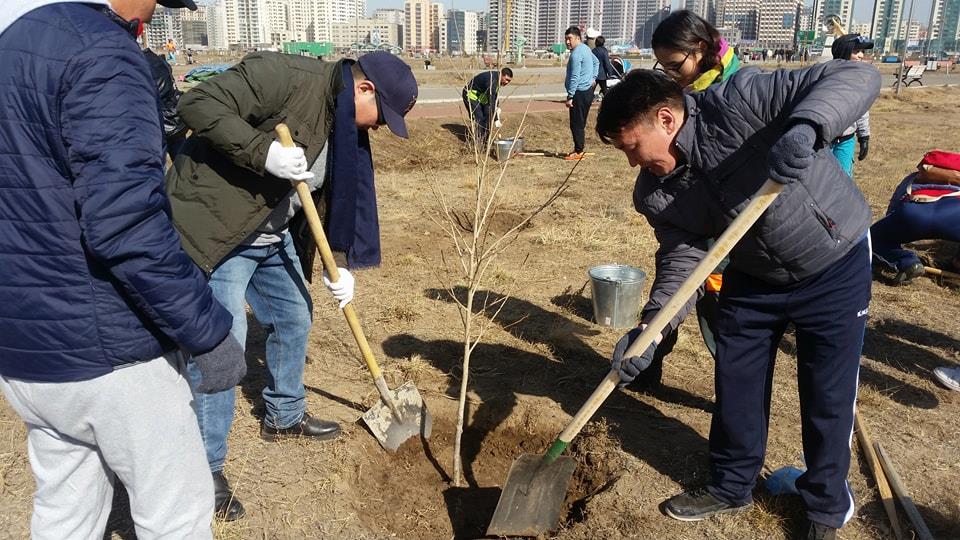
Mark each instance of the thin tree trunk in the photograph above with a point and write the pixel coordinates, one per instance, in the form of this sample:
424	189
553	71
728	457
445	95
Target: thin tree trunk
461	410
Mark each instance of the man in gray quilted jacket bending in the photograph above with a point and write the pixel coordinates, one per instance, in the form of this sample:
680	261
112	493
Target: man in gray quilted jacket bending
805	262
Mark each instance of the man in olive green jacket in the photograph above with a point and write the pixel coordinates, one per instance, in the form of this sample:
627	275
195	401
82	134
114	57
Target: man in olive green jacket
237	212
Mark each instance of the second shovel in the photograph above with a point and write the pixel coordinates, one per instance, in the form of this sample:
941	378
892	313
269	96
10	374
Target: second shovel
401	413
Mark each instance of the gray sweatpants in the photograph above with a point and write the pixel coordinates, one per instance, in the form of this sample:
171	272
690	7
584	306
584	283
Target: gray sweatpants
135	424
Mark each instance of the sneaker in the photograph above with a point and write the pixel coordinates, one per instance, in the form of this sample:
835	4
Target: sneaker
700	504
819	531
907	274
573	156
949	377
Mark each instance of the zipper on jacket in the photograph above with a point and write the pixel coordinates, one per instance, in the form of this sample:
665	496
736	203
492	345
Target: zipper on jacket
826	221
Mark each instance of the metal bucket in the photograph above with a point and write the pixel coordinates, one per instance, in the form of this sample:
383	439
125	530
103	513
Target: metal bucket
507	147
617	293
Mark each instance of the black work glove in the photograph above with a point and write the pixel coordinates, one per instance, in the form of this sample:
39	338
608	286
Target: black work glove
864	148
222	367
630	367
792	153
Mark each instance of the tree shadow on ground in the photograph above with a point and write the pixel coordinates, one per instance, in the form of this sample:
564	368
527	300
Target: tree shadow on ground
499	373
878	345
575	303
900	345
459	131
940	525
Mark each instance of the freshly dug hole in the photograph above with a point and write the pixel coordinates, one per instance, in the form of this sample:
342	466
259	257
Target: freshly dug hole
408	494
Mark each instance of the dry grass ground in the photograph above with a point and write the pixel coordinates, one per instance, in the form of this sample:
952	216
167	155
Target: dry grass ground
544	357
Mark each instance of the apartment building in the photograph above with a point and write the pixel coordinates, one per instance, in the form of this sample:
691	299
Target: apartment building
778	21
743	15
417	26
462	29
505	32
885	26
363	30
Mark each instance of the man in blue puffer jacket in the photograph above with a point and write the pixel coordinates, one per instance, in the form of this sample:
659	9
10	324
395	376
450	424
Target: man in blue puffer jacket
97	299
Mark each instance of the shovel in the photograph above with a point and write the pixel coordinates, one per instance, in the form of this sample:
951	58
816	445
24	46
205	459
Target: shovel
402	413
536	487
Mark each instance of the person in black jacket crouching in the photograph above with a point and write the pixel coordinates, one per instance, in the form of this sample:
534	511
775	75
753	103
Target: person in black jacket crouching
805	262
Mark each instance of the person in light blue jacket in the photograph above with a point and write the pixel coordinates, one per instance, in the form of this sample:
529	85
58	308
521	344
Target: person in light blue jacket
582	69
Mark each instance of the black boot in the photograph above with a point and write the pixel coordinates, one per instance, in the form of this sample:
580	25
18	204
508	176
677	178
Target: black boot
315	428
225	506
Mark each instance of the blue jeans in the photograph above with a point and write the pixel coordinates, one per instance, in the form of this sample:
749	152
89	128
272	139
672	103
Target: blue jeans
270	279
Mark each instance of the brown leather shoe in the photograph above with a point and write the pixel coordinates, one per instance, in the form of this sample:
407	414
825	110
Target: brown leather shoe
226	507
320	430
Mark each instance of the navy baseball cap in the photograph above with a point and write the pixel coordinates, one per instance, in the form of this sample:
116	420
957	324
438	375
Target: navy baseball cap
396	87
189	4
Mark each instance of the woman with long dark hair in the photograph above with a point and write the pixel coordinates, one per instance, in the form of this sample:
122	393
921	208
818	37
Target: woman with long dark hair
691	51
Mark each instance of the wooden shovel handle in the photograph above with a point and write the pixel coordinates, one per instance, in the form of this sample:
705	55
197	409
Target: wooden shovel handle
942	273
886	497
326	255
923	533
758	204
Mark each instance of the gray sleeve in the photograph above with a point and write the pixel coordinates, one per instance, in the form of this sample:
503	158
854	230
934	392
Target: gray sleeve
834	95
678	255
863	126
831	96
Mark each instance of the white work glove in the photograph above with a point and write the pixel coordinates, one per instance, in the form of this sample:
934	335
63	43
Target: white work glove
343	289
496	119
287	162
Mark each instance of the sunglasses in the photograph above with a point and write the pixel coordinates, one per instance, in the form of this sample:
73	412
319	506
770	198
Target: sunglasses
672	69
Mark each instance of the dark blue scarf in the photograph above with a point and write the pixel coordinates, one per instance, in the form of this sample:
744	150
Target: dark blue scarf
352	223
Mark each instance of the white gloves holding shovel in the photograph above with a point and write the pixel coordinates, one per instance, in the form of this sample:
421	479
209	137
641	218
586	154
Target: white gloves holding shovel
496	118
341	289
288	163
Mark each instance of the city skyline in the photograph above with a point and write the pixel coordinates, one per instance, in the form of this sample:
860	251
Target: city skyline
862	11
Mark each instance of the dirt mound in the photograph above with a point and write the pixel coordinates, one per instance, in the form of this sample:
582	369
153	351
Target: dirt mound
409	494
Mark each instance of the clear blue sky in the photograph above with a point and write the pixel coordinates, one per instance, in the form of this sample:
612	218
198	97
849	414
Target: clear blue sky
863	9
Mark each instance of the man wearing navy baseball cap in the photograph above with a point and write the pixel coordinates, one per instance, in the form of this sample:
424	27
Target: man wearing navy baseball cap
239	217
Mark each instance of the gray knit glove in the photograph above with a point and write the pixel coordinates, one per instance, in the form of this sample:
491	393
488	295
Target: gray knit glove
793	153
222	367
630	367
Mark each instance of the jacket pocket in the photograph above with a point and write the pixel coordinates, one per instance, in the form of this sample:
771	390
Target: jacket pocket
828	224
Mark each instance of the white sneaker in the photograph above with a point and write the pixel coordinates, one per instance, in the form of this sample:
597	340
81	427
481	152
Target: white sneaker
949	377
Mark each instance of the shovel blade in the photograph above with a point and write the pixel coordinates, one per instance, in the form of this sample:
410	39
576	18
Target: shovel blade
414	418
532	499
